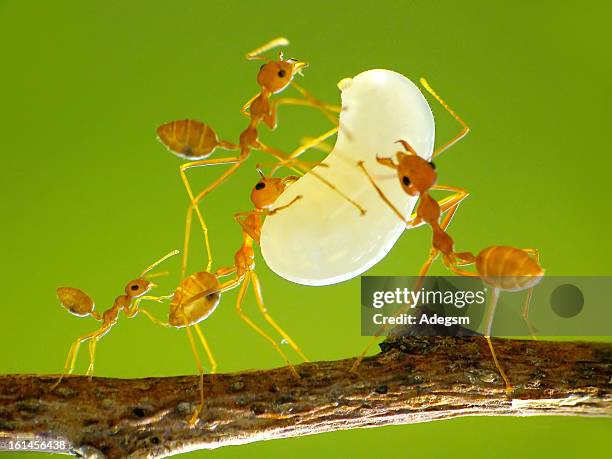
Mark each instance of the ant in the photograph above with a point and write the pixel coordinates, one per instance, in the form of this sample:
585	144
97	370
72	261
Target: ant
502	268
195	141
80	304
198	295
182	315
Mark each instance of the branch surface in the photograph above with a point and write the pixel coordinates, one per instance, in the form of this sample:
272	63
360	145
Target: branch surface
414	379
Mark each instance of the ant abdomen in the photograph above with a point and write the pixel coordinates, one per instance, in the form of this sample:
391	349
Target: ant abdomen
184	312
189	139
508	268
76	301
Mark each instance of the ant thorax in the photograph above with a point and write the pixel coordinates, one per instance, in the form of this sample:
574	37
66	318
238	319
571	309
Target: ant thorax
260	106
428	209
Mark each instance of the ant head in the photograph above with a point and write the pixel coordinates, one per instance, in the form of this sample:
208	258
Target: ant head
138	287
416	174
275	76
268	189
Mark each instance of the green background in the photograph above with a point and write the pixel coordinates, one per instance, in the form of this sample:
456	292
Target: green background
89	196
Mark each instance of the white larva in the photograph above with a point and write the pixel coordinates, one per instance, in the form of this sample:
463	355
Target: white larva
322	239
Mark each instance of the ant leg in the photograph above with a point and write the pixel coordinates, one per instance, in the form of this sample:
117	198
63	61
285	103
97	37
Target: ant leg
233	283
310	101
536	255
159	299
252	232
322	179
308	165
282	158
323	107
464	258
433	254
381	193
321	146
226	271
193	206
452	201
250	323
196	414
490	313
525	314
187	238
274	211
92	354
211	359
308	145
461	272
279	208
334	108
74	350
154	319
96	336
132	311
245	108
264	312
313	143
459	136
67	371
525	310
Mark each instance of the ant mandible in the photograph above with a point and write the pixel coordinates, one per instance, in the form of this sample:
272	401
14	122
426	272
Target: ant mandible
80	304
502	268
196	141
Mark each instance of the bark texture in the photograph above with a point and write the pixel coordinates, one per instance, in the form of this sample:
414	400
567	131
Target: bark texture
413	379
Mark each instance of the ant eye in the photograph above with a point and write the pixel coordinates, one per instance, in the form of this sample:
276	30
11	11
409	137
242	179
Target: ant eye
134	287
281	73
433	166
406	180
260	186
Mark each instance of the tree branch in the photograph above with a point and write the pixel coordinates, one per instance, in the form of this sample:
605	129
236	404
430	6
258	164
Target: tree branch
414	379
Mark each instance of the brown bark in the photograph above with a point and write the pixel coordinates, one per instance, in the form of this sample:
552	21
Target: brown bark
412	380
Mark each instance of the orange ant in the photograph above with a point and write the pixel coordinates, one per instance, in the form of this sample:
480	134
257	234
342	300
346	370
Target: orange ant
80	304
198	295
502	268
183	315
195	141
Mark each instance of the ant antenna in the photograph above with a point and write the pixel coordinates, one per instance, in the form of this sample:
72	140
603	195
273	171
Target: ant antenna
258	168
256	53
164	258
159	274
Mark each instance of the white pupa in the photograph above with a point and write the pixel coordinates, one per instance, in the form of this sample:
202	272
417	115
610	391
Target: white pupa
322	239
